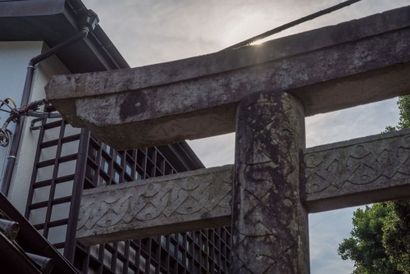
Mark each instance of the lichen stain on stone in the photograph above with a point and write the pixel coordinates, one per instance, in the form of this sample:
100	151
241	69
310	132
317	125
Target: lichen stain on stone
132	105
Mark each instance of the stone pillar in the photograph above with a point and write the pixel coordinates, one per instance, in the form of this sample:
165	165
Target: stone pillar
270	225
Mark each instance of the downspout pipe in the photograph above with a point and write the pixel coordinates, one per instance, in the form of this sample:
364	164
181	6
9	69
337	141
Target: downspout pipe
90	22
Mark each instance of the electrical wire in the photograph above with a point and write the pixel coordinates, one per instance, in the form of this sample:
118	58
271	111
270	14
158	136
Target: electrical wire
292	24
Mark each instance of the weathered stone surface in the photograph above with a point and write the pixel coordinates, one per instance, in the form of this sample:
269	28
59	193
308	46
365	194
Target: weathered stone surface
157	206
327	69
360	171
270	224
356	172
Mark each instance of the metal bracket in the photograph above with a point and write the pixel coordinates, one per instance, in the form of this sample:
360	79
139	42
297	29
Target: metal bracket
33	125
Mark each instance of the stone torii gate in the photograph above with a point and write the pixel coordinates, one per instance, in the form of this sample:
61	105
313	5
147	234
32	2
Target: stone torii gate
264	94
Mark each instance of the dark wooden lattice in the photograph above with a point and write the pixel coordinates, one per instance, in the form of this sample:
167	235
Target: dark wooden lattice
68	160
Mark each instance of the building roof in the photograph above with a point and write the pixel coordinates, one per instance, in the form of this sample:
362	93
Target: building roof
16	251
53	21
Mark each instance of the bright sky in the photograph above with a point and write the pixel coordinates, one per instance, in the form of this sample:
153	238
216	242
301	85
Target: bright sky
153	31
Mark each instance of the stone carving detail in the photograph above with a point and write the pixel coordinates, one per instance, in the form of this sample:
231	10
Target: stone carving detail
373	168
269	222
161	201
365	164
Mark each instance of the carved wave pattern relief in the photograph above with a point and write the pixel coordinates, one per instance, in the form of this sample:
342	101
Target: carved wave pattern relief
364	164
143	204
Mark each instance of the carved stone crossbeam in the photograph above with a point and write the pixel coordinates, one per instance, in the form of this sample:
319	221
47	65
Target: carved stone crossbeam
356	172
359	171
353	63
157	206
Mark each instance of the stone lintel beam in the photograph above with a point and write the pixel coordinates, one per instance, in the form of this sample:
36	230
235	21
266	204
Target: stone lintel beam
335	67
355	172
359	171
161	205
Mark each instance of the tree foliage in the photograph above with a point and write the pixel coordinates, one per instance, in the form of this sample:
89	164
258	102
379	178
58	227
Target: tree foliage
404	108
396	235
380	239
365	246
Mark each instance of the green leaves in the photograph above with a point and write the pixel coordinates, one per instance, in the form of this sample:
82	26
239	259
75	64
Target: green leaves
365	245
404	108
396	236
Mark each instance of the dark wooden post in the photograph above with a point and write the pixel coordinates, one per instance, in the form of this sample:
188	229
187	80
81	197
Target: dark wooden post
270	225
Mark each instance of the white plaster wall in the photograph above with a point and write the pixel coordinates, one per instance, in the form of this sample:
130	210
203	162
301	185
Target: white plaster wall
16	56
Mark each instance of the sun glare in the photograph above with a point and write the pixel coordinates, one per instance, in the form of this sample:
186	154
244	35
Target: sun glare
257	42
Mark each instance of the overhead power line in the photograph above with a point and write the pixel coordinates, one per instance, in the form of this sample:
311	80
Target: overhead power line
293	23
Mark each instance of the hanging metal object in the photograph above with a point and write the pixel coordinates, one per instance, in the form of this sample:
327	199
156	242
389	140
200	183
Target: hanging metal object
32	110
5	136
